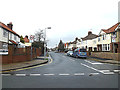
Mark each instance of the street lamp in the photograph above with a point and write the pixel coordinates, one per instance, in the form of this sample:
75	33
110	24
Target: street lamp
45	41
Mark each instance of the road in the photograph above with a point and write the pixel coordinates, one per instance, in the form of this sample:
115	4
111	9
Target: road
64	72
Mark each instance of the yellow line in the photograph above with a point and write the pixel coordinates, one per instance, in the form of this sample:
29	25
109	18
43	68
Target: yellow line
30	67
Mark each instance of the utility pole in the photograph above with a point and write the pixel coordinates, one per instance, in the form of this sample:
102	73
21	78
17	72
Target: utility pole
45	40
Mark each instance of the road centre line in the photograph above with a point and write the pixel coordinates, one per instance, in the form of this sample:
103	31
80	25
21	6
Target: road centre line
20	74
64	74
48	74
77	74
5	74
94	73
35	74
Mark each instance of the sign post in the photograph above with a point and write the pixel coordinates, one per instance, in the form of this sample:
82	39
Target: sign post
31	40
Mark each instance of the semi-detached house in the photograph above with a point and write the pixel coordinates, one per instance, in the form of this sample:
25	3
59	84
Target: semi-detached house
107	37
89	42
8	36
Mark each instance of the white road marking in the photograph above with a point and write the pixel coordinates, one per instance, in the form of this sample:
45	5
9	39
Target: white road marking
88	61
20	74
105	70
94	73
108	73
64	74
35	74
5	74
116	70
48	74
97	63
90	67
93	63
101	71
77	74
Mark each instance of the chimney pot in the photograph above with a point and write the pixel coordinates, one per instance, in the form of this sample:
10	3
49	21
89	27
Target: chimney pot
89	32
10	25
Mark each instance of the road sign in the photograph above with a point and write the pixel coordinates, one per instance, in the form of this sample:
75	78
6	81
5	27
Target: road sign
31	38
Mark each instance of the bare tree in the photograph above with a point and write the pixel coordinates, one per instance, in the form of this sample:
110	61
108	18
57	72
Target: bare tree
39	35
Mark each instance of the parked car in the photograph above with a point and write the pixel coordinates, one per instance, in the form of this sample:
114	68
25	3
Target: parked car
80	53
70	53
66	51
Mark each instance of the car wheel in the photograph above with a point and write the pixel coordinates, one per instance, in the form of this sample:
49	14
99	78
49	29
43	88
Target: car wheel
76	56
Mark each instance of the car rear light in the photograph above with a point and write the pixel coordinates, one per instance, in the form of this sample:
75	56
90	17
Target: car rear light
79	51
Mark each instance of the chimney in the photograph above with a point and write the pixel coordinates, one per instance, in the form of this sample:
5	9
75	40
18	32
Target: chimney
89	32
10	25
76	38
26	36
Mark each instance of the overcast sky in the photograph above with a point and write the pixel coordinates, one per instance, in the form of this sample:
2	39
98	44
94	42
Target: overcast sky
67	18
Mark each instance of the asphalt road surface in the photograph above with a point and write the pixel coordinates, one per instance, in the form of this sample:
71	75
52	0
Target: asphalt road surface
64	72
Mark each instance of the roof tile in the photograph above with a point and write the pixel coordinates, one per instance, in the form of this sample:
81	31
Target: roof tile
7	28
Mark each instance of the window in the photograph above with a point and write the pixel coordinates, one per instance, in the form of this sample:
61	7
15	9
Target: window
11	36
98	39
5	33
14	37
115	33
95	49
105	47
108	47
104	37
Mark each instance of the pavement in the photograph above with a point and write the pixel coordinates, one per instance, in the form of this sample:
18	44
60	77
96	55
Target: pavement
40	60
13	66
110	61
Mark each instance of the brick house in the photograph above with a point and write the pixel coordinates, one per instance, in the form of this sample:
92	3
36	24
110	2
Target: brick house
115	42
74	44
26	39
105	39
8	36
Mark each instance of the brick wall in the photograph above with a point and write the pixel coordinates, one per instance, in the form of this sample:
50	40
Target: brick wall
106	55
118	48
20	54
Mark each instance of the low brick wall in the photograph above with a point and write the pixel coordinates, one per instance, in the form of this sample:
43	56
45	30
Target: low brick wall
20	54
106	55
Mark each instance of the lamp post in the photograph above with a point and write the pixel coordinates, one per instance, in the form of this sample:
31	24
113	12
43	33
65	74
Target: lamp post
45	41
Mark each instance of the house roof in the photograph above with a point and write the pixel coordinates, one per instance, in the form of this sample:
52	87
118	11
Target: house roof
7	28
89	37
75	41
26	40
111	29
